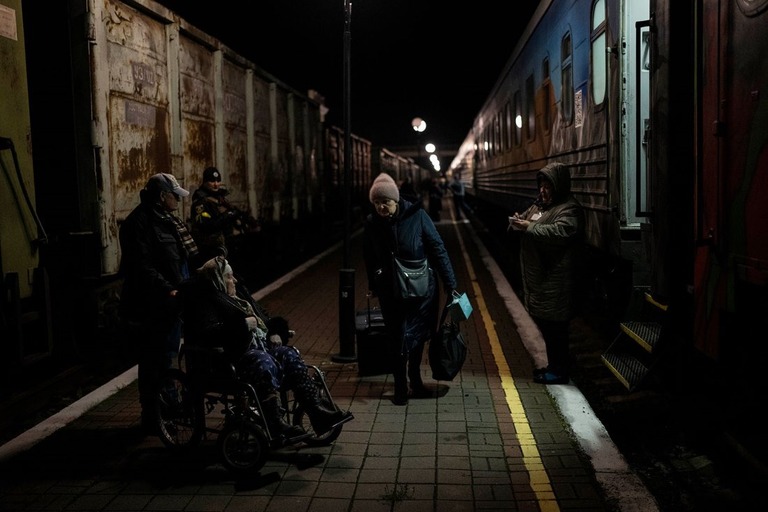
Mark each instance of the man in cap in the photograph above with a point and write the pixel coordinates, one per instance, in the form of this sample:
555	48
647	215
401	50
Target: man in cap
156	248
215	221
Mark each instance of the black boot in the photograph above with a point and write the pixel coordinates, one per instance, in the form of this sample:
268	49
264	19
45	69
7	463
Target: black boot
322	417
401	390
401	383
418	390
278	427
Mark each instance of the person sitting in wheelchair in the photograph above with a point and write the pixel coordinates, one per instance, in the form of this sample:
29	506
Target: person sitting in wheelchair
223	314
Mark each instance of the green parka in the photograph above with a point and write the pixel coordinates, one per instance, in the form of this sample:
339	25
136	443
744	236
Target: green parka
550	247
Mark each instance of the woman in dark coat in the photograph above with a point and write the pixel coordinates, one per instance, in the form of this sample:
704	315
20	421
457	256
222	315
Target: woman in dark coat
551	232
404	229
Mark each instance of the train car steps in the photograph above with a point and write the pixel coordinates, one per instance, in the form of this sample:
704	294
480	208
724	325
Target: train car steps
633	352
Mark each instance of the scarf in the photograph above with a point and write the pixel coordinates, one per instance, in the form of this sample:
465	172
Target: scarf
214	270
187	242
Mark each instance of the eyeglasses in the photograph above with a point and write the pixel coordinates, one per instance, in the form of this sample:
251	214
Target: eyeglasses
383	202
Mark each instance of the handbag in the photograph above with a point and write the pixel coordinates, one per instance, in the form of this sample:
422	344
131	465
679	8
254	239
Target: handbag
447	350
411	277
460	308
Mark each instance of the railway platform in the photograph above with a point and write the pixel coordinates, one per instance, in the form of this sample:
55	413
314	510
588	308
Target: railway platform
491	440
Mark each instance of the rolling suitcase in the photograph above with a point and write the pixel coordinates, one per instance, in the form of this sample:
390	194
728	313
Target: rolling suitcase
373	343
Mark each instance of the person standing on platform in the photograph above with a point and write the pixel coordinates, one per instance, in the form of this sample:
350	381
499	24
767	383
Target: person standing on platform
399	227
435	200
457	190
156	248
215	221
408	191
551	231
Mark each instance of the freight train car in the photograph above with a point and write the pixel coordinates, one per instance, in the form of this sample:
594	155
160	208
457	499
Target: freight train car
100	95
659	109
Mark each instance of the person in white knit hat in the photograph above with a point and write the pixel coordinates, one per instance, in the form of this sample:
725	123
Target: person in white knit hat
403	229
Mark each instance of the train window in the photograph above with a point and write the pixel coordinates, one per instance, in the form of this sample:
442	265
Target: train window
598	52
518	120
492	136
506	126
546	114
530	107
566	104
498	133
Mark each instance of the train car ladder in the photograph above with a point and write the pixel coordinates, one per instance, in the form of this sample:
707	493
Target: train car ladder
633	352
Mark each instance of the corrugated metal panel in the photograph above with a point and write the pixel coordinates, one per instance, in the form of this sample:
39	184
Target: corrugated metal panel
197	94
170	98
235	133
137	107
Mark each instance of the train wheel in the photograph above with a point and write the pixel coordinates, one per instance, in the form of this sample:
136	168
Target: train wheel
243	446
179	412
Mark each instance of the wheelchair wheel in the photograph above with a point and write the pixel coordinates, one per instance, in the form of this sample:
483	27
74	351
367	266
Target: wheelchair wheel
179	412
243	446
301	418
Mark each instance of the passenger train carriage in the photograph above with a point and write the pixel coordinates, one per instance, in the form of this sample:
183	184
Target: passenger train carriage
658	106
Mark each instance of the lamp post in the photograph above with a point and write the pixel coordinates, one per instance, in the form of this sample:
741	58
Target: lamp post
346	274
418	125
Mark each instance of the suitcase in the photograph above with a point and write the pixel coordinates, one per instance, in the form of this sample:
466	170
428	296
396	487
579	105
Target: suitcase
374	344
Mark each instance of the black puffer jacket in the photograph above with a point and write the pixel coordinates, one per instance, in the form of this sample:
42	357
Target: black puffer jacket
409	234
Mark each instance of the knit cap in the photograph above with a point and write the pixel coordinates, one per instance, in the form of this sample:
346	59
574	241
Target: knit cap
211	174
384	187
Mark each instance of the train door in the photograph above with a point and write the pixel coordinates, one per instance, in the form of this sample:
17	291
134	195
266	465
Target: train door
730	280
636	102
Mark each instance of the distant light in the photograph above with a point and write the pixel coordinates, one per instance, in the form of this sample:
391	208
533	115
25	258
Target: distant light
434	159
519	121
430	148
418	124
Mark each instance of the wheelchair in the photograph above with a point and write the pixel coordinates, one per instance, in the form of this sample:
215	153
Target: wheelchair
205	397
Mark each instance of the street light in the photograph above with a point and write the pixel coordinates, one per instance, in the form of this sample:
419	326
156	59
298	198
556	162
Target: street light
346	274
432	150
418	125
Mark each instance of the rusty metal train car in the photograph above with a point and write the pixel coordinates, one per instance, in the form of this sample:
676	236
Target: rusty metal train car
98	95
658	107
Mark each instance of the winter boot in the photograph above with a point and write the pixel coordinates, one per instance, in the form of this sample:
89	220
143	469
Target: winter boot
321	416
324	419
401	390
418	389
273	414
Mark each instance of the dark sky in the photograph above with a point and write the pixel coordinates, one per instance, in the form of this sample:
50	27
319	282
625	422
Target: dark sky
432	59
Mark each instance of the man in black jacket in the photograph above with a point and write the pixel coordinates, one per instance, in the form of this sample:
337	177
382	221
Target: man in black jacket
156	248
